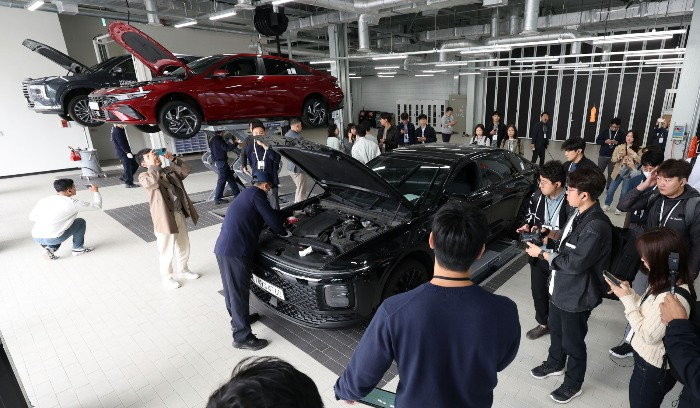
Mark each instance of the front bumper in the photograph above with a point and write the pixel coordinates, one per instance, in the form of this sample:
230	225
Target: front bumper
108	109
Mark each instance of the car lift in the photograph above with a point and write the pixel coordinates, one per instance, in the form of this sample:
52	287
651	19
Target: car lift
239	130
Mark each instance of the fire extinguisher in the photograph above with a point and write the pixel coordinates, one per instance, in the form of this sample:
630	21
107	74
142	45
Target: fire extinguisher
594	111
692	149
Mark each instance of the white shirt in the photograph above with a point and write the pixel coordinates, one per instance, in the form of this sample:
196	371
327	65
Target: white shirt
53	215
365	150
446	128
372	138
480	141
333	142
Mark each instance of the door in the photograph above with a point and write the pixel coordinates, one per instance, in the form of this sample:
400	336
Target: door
499	187
236	92
286	85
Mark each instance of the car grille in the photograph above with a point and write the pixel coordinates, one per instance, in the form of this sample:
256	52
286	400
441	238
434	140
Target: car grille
25	91
303	302
103	102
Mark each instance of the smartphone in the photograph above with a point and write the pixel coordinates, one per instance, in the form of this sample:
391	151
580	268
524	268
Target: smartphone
160	151
611	278
379	398
88	186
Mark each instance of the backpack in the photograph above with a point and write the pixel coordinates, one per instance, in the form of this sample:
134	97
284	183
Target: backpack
694	319
690	207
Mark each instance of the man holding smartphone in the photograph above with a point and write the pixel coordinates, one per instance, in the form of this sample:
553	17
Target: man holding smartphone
170	207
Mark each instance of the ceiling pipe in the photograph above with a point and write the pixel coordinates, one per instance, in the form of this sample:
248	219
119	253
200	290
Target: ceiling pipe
495	23
449	45
296	52
531	15
363	24
514	25
152	12
517	39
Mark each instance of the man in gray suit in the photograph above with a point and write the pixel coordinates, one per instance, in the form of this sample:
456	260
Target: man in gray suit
298	176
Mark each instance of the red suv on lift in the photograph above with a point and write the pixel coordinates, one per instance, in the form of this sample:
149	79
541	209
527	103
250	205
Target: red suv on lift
212	89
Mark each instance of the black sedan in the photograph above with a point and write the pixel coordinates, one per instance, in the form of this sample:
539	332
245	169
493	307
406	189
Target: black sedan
365	237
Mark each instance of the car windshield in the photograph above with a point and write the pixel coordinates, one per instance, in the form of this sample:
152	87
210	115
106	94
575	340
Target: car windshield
103	64
199	66
418	182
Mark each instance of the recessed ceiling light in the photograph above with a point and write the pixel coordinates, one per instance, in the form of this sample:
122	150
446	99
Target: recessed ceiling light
385	76
35	5
424	75
354	77
185	24
391	67
224	14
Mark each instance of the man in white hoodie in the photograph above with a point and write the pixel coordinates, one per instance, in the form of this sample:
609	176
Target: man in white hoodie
55	219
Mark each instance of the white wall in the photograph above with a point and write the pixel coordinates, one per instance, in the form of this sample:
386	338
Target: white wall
30	142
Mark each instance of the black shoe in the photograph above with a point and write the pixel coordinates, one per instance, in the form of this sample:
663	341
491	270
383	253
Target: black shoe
253	317
121	178
251	343
564	394
545	370
221	201
130	185
537	332
622	351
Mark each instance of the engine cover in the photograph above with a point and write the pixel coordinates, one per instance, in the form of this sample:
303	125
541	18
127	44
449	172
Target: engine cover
314	226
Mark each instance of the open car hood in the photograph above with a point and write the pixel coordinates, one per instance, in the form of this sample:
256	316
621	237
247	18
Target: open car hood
56	56
146	49
334	169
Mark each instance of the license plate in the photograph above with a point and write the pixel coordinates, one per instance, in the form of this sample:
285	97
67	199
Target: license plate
268	287
94	105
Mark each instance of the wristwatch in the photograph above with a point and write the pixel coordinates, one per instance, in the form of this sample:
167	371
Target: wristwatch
541	254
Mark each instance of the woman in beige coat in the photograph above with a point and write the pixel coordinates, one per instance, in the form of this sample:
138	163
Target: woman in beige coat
626	158
512	142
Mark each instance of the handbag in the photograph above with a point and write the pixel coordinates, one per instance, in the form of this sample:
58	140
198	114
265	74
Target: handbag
625	171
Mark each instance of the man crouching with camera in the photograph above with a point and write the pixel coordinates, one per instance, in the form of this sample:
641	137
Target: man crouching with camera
547	214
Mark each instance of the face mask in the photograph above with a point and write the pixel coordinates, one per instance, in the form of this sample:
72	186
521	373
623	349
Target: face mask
647	174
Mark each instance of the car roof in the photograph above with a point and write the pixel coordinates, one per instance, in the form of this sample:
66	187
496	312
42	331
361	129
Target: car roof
441	153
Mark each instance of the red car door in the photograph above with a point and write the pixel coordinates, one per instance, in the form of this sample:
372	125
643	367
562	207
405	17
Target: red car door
286	85
233	91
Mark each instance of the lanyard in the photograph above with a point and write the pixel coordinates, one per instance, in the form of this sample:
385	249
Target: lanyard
555	212
661	213
568	228
255	150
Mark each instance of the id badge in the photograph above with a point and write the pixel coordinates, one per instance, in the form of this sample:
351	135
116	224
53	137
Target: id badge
261	165
661	140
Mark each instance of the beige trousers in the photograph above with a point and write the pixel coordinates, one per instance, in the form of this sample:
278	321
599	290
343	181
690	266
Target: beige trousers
301	181
174	246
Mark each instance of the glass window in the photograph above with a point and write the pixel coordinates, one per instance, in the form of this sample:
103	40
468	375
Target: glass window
241	66
516	161
466	181
200	66
494	169
128	67
418	182
278	67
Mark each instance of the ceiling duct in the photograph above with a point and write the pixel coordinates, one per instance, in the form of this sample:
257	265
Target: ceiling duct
363	24
531	15
495	24
245	5
151	12
514	21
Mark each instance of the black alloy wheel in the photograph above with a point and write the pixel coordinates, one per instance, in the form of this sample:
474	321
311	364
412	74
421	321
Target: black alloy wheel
148	128
409	274
179	119
314	113
79	111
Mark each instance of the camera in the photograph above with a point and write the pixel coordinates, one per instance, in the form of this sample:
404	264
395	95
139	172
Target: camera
535	237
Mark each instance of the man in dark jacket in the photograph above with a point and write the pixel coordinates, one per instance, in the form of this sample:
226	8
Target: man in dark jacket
608	140
683	349
540	135
449	337
262	158
659	134
576	284
496	130
547	211
407	131
388	136
424	132
123	150
244	221
575	158
671	206
219	147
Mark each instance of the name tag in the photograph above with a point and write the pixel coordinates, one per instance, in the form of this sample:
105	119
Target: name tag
571	246
261	165
661	140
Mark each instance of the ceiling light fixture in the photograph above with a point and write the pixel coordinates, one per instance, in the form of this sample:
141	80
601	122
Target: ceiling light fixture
386	73
278	2
35	5
470	73
645	36
524	71
224	14
569	66
424	75
487	49
661	61
434	71
669	67
589	69
385	76
391	67
355	77
185	24
495	69
321	62
389	57
545	58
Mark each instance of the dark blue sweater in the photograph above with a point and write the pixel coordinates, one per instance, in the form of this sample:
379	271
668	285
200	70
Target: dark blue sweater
219	147
244	221
121	143
449	344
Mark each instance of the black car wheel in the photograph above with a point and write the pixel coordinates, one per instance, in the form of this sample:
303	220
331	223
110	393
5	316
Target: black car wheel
314	113
79	111
407	275
148	128
179	119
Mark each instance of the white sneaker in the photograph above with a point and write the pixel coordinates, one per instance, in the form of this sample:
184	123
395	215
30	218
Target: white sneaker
171	283
188	275
49	254
606	208
83	250
618	212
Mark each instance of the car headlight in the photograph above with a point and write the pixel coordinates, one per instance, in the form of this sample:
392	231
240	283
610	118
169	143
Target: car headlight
130	95
38	91
337	295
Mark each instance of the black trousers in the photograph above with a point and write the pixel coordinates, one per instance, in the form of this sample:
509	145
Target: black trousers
538	152
539	274
648	384
235	275
225	176
567	331
446	137
130	168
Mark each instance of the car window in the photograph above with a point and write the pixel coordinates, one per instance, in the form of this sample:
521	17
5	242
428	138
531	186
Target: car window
465	181
278	67
494	169
516	161
418	182
128	67
200	66
240	67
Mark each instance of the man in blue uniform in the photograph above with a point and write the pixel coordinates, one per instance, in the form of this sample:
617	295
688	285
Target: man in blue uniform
245	219
264	159
219	147
123	150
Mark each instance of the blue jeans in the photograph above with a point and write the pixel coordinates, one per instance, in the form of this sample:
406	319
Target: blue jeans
648	384
626	186
77	230
225	176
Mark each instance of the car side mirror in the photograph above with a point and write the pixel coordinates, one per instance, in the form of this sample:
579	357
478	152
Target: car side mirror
220	73
117	71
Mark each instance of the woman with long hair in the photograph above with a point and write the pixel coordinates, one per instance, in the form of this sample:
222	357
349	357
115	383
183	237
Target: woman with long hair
480	138
626	158
333	141
512	143
651	380
349	138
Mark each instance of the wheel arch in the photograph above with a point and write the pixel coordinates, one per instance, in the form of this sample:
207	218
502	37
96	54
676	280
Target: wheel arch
415	255
71	93
179	96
